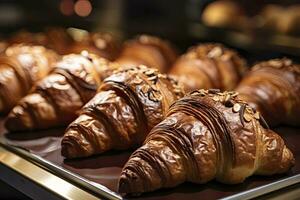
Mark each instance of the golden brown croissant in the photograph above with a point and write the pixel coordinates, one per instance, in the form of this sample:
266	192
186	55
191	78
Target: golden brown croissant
54	38
55	100
20	67
273	88
101	44
209	66
150	51
205	135
129	103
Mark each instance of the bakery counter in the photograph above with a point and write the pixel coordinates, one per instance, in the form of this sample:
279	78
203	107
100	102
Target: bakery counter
32	163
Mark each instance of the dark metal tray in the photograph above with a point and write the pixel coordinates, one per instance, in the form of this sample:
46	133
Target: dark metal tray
99	174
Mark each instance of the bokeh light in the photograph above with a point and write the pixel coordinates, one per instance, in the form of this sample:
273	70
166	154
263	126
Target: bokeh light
83	8
66	7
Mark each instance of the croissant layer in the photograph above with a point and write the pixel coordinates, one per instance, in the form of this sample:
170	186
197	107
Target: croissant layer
205	135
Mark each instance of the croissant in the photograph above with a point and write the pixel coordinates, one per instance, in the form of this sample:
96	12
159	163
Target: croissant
20	67
209	66
101	44
29	38
205	135
273	88
54	38
129	103
55	100
58	39
150	51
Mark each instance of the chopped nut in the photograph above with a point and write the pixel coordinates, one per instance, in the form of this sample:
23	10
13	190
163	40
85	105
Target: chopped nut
227	97
154	96
236	107
153	78
150	72
234	94
137	80
215	52
162	76
256	115
145	89
247	117
154	87
216	98
276	63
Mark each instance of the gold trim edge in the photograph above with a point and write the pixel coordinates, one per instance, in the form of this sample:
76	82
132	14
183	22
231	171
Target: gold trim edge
42	177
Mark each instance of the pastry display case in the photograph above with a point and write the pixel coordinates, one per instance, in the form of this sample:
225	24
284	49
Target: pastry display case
74	65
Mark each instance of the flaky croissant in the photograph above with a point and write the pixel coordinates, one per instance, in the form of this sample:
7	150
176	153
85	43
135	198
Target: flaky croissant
129	103
20	67
273	88
205	135
209	66
55	100
101	44
150	51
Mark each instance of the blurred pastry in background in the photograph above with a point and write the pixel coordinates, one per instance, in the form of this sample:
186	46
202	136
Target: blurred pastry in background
209	66
150	51
280	19
58	39
101	44
54	38
26	37
225	14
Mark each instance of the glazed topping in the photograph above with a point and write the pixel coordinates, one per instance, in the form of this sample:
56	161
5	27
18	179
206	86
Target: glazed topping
211	50
284	63
148	93
230	99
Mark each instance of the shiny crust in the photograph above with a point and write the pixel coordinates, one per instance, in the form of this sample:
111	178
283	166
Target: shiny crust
55	100
209	66
150	51
273	88
128	104
205	135
20	67
101	44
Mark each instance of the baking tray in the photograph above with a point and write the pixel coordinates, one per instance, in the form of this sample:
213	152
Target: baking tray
99	174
